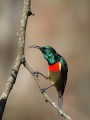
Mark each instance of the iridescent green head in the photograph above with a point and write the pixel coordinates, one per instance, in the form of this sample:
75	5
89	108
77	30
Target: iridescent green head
49	53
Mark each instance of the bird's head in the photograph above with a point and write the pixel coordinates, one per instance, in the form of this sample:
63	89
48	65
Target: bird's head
49	53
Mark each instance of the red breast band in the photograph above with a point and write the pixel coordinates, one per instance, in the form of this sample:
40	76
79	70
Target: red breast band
54	67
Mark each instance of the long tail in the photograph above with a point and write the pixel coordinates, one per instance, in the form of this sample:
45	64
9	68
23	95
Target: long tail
60	103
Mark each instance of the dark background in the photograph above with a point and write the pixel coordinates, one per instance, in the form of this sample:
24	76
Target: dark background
62	24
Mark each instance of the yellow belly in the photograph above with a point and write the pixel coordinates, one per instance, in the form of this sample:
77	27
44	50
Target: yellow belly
57	81
55	77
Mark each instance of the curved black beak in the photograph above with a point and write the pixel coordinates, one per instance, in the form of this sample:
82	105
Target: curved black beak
34	46
38	47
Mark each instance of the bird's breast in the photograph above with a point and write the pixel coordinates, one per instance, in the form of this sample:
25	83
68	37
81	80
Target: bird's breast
55	67
55	73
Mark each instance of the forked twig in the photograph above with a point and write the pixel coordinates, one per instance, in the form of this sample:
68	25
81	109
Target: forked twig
20	59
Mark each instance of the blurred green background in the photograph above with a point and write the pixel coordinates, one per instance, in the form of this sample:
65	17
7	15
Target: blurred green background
62	24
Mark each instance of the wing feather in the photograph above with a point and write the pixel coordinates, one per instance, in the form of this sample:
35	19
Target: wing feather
64	71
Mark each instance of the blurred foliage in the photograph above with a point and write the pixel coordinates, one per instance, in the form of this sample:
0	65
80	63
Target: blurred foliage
62	24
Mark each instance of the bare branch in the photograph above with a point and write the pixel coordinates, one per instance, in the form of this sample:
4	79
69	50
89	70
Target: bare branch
21	34
20	59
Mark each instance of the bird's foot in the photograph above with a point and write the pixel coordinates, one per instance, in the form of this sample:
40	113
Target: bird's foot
36	73
43	90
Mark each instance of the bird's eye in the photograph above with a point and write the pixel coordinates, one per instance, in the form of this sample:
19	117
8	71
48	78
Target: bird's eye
44	48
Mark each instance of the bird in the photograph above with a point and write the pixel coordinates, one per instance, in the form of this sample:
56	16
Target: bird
58	70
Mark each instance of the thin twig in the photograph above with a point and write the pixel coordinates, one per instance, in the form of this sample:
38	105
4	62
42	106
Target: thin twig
46	97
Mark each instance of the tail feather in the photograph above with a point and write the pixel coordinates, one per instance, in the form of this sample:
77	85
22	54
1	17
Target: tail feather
60	103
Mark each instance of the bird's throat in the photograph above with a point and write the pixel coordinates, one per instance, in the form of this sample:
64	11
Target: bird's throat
55	67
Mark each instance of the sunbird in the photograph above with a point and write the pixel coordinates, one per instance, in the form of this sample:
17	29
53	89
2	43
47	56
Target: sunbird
58	70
